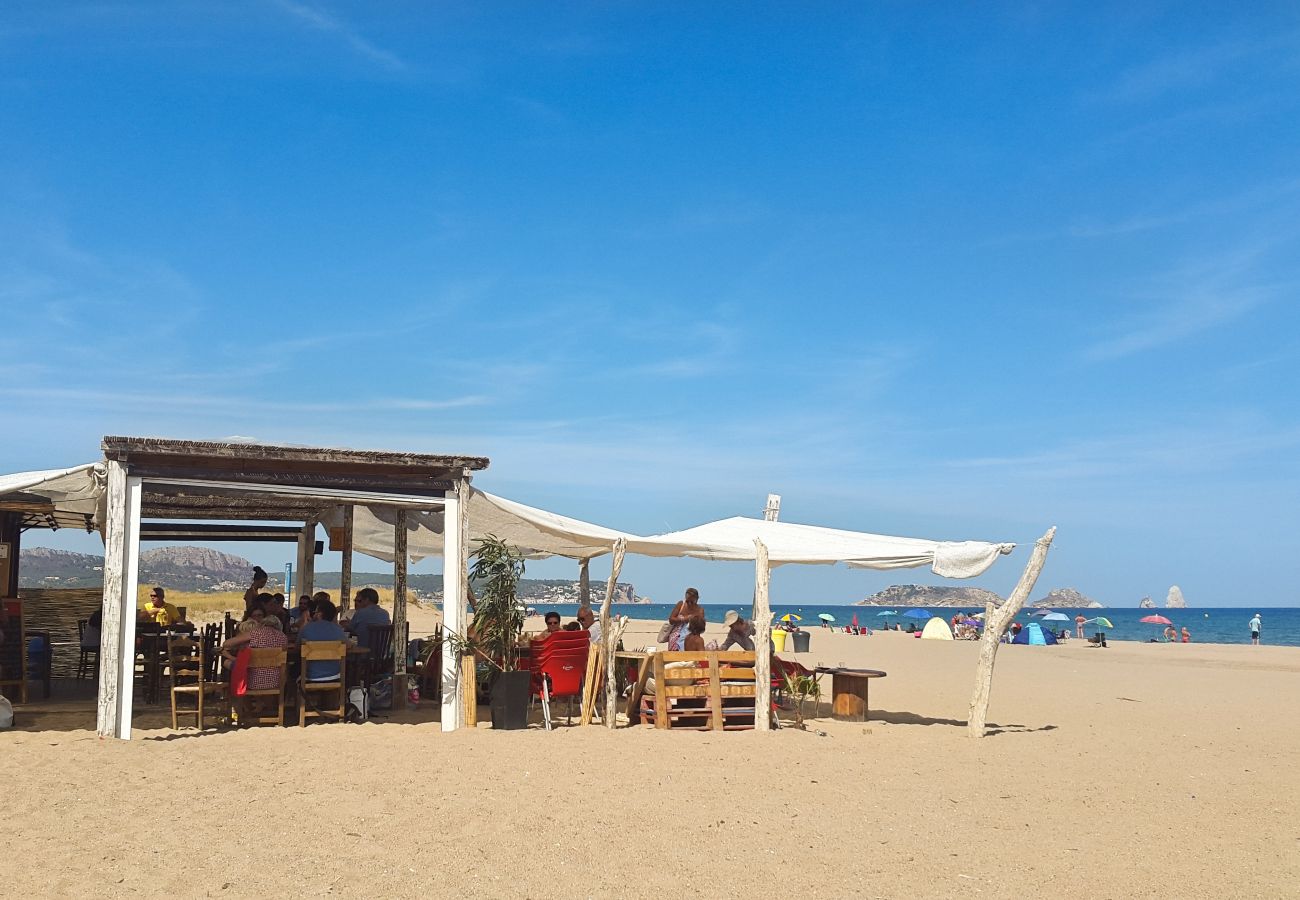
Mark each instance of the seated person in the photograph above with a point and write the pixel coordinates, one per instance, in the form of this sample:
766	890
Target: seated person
265	633
158	610
695	635
253	618
275	607
587	619
90	637
739	631
322	627
552	620
301	614
367	615
573	626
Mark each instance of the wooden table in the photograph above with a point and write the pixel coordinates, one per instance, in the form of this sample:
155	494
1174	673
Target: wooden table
849	691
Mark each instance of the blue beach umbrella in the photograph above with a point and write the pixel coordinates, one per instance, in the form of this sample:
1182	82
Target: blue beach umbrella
917	614
1056	617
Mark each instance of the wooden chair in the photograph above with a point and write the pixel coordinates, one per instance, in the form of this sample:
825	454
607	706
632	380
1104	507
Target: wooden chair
322	651
428	668
190	674
269	658
715	691
89	660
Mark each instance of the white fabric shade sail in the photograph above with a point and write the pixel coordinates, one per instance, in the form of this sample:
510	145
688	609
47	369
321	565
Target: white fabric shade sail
79	491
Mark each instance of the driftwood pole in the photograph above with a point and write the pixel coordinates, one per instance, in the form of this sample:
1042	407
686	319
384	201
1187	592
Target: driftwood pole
118	610
996	621
611	639
584	582
400	559
762	639
345	575
606	632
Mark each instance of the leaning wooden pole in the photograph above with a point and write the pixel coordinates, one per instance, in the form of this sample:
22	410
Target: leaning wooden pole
345	571
607	636
996	621
611	639
584	582
400	560
762	639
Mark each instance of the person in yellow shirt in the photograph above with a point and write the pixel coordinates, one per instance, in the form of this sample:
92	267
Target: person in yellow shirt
159	610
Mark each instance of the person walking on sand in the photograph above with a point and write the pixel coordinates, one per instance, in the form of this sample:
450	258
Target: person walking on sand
1254	629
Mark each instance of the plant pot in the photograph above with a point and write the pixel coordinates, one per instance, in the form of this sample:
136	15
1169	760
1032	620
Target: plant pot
509	700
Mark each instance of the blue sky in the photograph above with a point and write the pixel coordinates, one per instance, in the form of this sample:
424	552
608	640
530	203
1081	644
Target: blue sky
944	271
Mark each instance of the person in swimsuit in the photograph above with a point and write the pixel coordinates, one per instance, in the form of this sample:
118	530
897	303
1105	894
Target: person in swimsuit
680	618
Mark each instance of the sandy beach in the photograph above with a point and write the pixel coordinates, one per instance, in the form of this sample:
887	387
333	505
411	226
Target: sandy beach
1139	770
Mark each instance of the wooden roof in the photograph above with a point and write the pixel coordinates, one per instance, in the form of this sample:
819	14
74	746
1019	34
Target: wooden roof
329	470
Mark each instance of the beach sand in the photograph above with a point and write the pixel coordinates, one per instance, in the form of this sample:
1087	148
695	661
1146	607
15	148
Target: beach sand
1139	770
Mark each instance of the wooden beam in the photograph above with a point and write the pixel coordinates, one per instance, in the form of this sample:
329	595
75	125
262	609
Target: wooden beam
996	622
144	450
166	531
762	639
607	635
584	582
345	574
400	560
118	613
453	604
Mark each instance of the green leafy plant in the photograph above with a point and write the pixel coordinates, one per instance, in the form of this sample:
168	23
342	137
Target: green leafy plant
498	615
801	689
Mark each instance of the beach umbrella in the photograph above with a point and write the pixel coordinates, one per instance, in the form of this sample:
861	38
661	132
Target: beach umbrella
972	622
826	617
1101	621
791	616
1056	617
1155	620
855	620
888	612
1044	613
917	614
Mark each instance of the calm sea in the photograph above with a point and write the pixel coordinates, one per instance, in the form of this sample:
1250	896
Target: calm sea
1215	626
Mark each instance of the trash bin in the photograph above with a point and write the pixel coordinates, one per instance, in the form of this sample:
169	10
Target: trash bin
778	640
801	639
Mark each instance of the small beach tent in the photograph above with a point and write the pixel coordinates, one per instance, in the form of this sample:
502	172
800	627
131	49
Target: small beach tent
936	630
1034	635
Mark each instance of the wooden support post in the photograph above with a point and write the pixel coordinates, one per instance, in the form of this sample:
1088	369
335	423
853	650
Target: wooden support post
306	561
762	639
996	621
608	639
584	582
119	610
590	681
345	574
400	561
454	576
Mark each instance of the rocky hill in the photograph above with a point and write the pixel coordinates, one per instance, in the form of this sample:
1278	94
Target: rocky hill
906	595
1067	598
1175	599
45	568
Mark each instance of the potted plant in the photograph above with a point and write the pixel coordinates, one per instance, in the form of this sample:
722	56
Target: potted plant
498	623
801	689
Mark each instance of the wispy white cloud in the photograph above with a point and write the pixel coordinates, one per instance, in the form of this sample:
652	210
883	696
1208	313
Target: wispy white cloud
1193	300
318	19
103	398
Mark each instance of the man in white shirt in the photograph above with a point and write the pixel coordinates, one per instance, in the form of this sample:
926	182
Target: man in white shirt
587	619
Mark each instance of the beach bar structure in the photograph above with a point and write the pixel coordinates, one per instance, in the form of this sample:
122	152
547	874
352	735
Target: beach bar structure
198	483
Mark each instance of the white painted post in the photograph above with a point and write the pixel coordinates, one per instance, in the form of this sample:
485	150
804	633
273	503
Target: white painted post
762	638
772	511
121	578
453	605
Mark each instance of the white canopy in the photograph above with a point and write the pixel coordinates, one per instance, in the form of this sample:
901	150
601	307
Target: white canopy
72	493
810	544
536	532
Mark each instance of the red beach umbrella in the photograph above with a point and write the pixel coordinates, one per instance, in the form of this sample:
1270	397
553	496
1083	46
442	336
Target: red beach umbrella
855	620
1155	620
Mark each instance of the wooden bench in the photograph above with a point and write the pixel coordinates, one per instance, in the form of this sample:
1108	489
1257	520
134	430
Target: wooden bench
713	691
